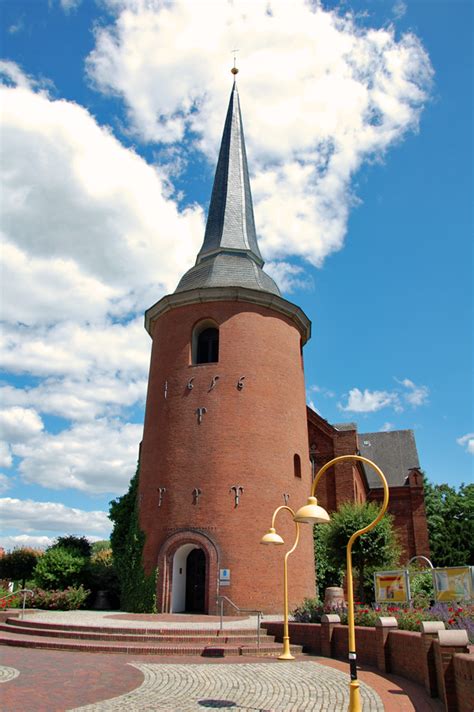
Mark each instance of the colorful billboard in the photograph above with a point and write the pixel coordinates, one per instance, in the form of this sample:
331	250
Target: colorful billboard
392	586
454	583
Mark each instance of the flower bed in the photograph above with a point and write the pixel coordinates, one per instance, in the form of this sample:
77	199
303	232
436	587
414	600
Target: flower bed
68	600
454	616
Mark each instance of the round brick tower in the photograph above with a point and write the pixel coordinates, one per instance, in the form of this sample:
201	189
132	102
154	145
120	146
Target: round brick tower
225	437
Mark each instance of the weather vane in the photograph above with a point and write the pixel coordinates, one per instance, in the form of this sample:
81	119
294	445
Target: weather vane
234	69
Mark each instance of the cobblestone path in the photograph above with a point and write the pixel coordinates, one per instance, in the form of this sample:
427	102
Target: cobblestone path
252	687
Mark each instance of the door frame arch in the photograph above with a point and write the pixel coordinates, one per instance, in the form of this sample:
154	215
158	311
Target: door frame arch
168	549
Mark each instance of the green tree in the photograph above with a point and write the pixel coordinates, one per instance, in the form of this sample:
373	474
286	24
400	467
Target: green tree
450	517
137	589
19	564
79	544
101	545
377	549
60	567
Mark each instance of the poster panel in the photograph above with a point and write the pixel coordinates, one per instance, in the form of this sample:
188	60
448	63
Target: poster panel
454	583
391	586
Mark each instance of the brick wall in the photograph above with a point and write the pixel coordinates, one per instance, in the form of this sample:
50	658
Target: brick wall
406	650
464	681
306	634
247	437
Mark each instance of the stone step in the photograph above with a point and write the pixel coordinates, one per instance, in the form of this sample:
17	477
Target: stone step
143	648
130	630
200	637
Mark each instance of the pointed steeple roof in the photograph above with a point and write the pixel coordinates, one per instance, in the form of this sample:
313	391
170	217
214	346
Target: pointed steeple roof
229	255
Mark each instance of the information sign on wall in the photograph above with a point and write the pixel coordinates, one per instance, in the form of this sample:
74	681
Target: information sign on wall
454	583
224	577
392	586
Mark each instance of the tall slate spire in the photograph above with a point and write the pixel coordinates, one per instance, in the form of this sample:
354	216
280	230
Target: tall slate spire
230	256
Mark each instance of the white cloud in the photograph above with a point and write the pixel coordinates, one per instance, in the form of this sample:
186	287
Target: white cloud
114	242
20	424
25	540
386	427
4	482
95	457
321	95
369	401
69	5
399	9
416	395
467	442
6	459
40	517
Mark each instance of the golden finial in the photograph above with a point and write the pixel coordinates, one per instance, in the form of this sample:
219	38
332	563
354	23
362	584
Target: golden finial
234	69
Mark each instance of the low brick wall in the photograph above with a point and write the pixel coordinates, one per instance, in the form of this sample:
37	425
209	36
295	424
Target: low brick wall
306	634
464	681
406	652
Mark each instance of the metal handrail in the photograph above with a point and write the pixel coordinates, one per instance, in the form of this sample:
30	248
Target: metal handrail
24	591
221	599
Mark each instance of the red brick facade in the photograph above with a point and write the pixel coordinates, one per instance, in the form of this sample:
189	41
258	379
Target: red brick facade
247	437
347	482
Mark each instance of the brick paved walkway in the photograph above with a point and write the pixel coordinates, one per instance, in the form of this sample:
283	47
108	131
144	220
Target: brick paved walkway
295	687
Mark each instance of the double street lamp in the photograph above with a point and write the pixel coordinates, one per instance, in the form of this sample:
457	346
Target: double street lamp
312	513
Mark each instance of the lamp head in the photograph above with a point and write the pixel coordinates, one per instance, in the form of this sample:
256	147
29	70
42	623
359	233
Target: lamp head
271	537
312	513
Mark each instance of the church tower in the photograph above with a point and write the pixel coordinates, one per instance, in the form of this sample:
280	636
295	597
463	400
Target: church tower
225	437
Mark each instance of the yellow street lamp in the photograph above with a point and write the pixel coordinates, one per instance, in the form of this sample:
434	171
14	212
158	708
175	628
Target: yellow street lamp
271	537
311	513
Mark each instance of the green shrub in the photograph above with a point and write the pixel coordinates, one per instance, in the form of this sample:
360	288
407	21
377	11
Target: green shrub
80	545
310	611
102	576
18	565
69	599
59	568
137	589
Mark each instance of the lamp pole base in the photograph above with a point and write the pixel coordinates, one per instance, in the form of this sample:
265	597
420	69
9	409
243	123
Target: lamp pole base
286	654
354	697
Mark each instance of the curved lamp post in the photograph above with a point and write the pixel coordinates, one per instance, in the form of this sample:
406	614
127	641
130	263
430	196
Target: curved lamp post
311	514
271	537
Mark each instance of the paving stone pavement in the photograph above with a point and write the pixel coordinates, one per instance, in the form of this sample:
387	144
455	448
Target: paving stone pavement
252	687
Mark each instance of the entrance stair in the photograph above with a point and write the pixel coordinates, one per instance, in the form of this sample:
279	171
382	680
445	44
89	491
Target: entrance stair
169	641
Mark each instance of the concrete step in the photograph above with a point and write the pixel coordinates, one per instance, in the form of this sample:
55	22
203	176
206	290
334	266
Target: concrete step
201	637
130	630
216	648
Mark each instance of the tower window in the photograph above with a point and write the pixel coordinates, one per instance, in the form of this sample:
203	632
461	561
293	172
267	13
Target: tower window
206	344
297	465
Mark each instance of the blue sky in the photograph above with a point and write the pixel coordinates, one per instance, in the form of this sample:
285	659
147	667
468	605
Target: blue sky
358	121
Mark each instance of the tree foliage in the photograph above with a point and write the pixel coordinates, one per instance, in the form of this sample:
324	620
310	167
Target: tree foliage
450	517
79	544
60	568
377	549
18	565
137	589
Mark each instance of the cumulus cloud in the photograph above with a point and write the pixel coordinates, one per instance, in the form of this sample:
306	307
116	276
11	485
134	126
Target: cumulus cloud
96	457
415	395
9	543
369	401
20	424
30	516
4	482
321	95
386	427
467	442
114	242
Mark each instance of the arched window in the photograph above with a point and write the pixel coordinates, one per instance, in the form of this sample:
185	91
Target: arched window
297	465
205	345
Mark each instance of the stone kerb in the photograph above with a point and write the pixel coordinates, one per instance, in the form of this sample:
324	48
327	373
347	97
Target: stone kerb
448	644
328	622
383	626
429	632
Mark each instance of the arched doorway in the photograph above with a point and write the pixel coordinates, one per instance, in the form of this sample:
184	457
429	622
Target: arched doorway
188	580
